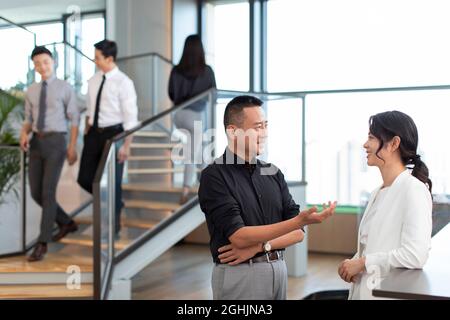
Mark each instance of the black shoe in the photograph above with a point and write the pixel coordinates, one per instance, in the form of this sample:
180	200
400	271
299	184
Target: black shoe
64	230
38	253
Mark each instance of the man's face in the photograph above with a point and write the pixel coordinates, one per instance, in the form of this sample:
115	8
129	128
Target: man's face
101	62
251	135
43	64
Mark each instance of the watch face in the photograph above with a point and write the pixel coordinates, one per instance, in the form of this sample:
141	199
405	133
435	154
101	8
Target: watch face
267	247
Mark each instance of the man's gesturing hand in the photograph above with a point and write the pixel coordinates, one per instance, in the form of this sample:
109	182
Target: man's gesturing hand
311	216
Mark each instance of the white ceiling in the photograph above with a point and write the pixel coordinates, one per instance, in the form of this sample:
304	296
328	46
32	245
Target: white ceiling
23	11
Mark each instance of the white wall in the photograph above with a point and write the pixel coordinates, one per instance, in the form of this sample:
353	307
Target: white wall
140	26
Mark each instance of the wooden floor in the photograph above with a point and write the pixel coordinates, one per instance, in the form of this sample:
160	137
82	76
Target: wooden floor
53	262
56	291
184	272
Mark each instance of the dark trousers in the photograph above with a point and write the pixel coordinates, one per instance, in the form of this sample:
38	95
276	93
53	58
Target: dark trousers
94	143
47	155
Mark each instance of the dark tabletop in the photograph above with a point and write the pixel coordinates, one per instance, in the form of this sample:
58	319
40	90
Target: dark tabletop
433	282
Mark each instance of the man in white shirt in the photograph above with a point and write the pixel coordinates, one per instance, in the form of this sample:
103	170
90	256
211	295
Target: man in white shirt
111	109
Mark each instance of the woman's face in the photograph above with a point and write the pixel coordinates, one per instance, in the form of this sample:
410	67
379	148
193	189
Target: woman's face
372	144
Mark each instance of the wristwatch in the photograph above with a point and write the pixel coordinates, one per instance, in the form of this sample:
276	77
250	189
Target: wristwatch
267	247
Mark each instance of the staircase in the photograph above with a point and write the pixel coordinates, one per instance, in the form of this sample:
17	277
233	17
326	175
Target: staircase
151	196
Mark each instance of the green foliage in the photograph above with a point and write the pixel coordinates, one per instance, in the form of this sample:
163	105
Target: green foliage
11	114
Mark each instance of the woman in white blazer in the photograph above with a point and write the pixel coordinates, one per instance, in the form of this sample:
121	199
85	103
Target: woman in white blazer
395	231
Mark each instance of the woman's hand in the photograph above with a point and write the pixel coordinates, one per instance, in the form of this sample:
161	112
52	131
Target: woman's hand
350	268
234	256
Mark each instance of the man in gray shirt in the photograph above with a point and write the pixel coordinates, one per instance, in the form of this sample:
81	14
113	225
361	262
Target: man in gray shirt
49	106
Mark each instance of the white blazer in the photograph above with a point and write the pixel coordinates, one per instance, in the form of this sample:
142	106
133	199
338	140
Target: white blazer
399	233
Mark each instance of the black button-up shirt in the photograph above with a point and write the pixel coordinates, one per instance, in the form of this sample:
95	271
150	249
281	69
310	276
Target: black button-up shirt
234	194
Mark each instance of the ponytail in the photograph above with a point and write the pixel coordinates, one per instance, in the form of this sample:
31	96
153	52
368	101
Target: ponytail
420	171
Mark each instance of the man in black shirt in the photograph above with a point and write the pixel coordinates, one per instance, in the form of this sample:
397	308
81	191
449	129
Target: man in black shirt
250	213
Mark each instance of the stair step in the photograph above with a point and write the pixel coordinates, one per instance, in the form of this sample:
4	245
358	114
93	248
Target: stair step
151	205
155	158
158	170
153	145
154	188
84	240
155	170
54	291
51	270
151	134
126	222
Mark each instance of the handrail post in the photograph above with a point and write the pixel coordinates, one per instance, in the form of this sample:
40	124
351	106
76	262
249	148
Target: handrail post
304	139
24	199
154	86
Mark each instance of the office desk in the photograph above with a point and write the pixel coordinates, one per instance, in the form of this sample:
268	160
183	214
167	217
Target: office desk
433	282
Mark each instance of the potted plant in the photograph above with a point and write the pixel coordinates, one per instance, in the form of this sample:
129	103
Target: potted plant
11	115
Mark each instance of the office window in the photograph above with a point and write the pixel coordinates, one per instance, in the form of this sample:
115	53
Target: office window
83	34
328	44
48	34
284	137
337	127
226	43
15	63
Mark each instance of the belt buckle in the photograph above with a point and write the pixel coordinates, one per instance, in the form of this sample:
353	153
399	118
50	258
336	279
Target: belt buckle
268	256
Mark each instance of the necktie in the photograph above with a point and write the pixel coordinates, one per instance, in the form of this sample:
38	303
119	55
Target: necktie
97	103
42	107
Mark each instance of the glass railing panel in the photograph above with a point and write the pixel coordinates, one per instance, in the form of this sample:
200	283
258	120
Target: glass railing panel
150	75
104	223
11	200
154	174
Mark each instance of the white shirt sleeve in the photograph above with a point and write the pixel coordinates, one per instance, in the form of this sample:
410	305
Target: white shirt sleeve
415	240
128	104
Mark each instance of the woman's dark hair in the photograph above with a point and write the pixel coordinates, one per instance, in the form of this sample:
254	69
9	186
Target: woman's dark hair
386	125
192	63
107	48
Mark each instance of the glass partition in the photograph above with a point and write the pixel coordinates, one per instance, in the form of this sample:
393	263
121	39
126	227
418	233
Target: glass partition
11	200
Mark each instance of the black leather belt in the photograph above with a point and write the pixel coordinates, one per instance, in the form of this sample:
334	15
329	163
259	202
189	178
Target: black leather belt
110	128
41	135
271	256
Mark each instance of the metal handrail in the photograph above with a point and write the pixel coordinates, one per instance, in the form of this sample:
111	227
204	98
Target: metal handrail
20	26
144	55
69	45
385	89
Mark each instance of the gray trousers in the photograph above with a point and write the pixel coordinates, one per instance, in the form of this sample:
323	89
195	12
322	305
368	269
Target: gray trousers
250	281
47	155
185	119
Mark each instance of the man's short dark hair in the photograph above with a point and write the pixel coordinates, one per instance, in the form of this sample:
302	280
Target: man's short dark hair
233	111
40	50
108	48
